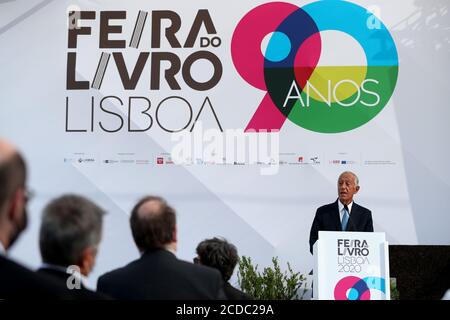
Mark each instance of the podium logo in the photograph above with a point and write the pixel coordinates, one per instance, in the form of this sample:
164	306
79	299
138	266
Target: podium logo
352	255
276	47
355	288
352	247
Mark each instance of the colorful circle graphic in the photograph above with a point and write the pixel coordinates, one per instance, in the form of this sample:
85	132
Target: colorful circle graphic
355	288
325	99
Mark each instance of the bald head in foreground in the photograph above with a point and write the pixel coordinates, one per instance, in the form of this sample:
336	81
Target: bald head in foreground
16	281
343	214
158	274
13	195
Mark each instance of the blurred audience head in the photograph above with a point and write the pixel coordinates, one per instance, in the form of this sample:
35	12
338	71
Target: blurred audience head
219	254
13	194
70	232
153	224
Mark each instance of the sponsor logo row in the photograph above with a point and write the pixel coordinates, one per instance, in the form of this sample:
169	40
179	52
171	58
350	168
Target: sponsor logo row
164	159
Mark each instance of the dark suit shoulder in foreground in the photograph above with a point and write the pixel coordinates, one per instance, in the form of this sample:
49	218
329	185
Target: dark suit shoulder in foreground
158	274
234	294
17	282
61	277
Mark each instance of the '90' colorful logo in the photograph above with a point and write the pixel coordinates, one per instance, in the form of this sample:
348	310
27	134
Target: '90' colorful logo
355	288
326	99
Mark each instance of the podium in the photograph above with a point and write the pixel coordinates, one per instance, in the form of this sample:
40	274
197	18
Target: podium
351	266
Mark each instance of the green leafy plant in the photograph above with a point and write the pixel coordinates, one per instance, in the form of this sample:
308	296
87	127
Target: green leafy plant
271	284
395	295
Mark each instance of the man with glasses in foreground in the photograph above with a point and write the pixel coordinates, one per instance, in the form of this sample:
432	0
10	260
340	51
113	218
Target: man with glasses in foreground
17	281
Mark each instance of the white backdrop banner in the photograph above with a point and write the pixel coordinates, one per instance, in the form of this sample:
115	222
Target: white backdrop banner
242	114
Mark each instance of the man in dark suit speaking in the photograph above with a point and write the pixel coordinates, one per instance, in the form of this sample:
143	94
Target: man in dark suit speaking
343	214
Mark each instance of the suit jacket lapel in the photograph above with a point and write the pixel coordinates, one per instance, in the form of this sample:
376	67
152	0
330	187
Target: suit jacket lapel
336	216
354	218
